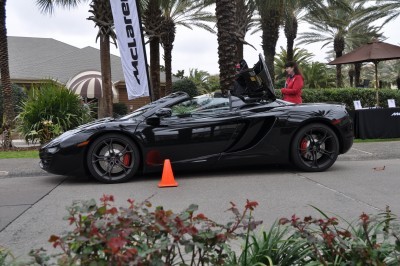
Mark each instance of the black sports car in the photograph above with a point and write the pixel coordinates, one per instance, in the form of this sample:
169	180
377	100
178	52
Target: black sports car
249	126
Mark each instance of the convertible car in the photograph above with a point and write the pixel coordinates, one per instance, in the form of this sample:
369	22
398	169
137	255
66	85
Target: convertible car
247	126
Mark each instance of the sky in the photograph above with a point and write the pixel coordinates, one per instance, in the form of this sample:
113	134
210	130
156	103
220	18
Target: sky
193	49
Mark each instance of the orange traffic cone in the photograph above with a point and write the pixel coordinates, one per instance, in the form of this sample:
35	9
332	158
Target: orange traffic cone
167	179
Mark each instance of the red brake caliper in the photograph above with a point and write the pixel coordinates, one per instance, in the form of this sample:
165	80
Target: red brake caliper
127	159
303	146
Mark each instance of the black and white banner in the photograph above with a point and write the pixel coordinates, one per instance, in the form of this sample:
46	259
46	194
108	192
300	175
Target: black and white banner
131	47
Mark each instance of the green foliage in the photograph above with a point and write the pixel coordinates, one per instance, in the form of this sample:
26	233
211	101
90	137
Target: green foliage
275	247
318	75
213	82
140	235
19	95
49	110
120	109
185	85
200	79
367	241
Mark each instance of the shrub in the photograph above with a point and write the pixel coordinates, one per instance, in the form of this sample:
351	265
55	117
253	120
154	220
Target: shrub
138	235
348	95
19	95
48	111
119	109
185	85
368	241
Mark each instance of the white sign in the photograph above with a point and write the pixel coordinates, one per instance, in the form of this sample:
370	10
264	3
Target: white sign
131	47
357	105
391	103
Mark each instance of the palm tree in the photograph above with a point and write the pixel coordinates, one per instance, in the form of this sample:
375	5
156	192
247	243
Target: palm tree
102	17
225	11
275	13
5	80
179	13
301	56
360	35
271	18
200	78
152	20
337	24
245	10
389	8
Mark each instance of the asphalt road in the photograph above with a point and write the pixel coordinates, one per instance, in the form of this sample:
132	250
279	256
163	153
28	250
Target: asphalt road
366	179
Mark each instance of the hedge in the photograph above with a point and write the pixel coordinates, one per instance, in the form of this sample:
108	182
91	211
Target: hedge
367	97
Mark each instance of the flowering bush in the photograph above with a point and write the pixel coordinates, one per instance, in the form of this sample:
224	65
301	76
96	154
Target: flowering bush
369	241
141	235
137	235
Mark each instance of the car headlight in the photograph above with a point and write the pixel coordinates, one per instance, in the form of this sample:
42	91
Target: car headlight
52	150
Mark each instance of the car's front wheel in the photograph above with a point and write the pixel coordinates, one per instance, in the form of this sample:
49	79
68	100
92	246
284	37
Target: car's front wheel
113	158
315	148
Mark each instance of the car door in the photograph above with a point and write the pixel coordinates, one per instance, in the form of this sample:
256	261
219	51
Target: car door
199	136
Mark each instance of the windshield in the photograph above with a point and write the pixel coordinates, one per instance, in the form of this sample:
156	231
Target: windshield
157	103
201	105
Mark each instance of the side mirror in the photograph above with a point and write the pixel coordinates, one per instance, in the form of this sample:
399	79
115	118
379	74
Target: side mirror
163	112
153	121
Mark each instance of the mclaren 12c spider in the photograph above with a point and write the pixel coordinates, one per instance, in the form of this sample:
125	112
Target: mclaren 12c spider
247	126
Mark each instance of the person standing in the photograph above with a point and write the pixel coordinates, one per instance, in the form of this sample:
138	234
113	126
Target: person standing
294	83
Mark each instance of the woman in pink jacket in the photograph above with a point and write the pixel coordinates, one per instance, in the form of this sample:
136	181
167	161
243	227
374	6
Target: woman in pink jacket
294	83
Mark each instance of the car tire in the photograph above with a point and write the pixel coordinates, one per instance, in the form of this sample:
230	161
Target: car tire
314	148
113	158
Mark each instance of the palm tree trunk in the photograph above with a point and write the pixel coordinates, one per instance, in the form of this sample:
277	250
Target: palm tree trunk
290	33
225	11
155	67
357	73
240	27
270	22
152	21
338	46
106	103
8	107
167	40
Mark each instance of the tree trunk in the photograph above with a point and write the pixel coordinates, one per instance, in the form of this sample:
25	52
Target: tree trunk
225	12
8	107
357	73
351	77
241	17
152	20
167	41
106	103
155	67
290	33
338	46
270	22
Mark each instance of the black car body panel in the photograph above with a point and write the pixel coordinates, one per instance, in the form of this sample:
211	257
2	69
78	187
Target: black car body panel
207	131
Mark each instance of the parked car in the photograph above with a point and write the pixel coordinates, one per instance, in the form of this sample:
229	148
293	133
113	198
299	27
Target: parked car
252	127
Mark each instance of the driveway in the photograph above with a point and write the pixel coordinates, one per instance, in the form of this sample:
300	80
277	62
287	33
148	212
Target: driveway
32	205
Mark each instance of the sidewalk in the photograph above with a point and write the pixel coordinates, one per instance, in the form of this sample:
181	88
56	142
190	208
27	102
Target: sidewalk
21	166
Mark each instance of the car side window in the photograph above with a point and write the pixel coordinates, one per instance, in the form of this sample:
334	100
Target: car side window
201	106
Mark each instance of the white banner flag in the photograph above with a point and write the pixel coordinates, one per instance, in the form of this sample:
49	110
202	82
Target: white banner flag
131	47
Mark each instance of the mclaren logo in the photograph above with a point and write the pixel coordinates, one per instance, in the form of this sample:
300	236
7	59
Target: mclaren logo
396	114
130	33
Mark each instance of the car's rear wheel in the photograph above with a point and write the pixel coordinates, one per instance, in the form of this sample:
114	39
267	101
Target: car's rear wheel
113	158
315	148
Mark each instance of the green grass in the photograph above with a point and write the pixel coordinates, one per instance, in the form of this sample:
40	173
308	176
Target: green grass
374	140
19	154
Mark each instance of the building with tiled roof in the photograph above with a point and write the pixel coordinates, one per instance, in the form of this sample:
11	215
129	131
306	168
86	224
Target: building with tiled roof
33	60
